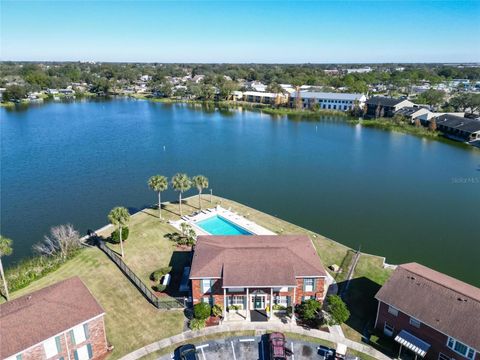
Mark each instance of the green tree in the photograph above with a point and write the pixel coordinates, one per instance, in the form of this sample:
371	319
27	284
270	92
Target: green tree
200	182
14	93
181	183
158	183
337	310
431	97
5	250
119	216
309	309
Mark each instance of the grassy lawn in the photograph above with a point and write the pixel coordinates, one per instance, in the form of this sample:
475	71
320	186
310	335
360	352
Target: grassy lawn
130	319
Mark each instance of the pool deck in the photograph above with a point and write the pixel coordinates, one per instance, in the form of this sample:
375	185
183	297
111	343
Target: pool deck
227	214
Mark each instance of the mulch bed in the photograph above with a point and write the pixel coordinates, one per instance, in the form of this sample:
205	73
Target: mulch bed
213	321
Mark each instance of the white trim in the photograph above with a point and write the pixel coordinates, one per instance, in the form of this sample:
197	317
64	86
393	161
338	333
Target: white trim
205	278
378	311
423	322
261	287
64	331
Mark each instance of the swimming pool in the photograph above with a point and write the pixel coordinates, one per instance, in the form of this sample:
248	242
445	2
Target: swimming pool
217	225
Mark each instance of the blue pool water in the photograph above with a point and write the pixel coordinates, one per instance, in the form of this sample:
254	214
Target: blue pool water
217	225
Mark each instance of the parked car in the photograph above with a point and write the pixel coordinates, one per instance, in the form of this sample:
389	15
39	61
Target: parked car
277	346
326	353
186	352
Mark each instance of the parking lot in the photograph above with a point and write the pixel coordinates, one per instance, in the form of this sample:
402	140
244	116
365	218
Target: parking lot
249	348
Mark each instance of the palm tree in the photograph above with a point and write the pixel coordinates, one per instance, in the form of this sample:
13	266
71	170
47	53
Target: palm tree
120	217
5	249
201	182
181	183
158	183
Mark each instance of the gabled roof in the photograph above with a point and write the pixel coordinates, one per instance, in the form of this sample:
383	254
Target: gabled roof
412	110
458	122
438	300
257	260
38	316
384	101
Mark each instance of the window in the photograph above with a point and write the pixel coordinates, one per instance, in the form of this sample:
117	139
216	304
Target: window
308	284
235	289
388	329
83	353
52	347
237	300
79	334
414	322
461	348
282	289
393	311
281	300
443	357
207	285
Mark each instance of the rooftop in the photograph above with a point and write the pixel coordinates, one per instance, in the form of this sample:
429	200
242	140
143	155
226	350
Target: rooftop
264	260
327	95
384	101
33	318
458	122
438	300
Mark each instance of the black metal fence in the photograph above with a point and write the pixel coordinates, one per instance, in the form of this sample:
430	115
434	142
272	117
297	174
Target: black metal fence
168	303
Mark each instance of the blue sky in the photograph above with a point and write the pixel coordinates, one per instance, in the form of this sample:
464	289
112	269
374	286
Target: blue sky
241	31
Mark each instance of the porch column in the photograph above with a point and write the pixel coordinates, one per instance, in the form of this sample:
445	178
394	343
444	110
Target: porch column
271	303
293	303
248	305
224	303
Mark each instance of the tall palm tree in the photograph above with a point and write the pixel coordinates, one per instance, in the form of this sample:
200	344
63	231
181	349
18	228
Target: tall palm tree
201	182
119	216
5	250
158	183
181	183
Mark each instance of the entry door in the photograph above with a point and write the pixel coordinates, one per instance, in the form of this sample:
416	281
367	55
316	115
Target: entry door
259	302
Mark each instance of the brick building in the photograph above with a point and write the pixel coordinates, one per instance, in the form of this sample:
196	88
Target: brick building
62	322
431	315
253	273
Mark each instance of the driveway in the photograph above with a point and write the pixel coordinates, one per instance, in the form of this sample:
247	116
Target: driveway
248	348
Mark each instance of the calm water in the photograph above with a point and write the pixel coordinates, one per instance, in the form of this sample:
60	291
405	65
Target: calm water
395	195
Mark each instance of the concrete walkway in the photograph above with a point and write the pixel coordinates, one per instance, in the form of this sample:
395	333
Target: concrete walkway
258	328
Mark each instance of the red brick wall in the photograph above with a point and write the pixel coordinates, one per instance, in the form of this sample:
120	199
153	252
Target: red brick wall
96	339
217	291
436	339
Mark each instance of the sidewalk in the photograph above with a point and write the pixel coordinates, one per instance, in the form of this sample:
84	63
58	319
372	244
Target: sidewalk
258	327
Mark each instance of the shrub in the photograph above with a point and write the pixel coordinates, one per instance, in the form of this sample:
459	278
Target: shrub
115	238
159	287
234	307
278	307
202	310
308	310
157	274
217	310
197	324
337	310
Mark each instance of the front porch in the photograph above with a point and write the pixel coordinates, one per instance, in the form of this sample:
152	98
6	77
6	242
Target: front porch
258	305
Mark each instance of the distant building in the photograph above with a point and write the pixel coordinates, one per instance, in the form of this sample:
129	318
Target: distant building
258	86
61	321
145	78
198	78
265	97
431	315
52	91
379	106
414	112
328	101
359	70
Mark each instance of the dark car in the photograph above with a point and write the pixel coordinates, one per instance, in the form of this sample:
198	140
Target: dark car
186	352
277	346
326	353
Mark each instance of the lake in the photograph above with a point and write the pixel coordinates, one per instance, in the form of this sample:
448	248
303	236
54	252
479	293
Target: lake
396	195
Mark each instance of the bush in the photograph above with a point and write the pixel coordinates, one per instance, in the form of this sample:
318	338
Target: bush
158	287
157	274
278	307
234	307
197	324
217	310
337	310
115	238
202	310
308	310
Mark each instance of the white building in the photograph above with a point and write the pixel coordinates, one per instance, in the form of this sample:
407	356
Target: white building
329	101
359	70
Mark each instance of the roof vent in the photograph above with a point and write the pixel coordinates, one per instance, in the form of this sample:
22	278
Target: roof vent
461	299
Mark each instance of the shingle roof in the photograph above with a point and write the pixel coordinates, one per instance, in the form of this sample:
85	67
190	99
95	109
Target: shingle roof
458	122
266	260
384	101
33	318
438	300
